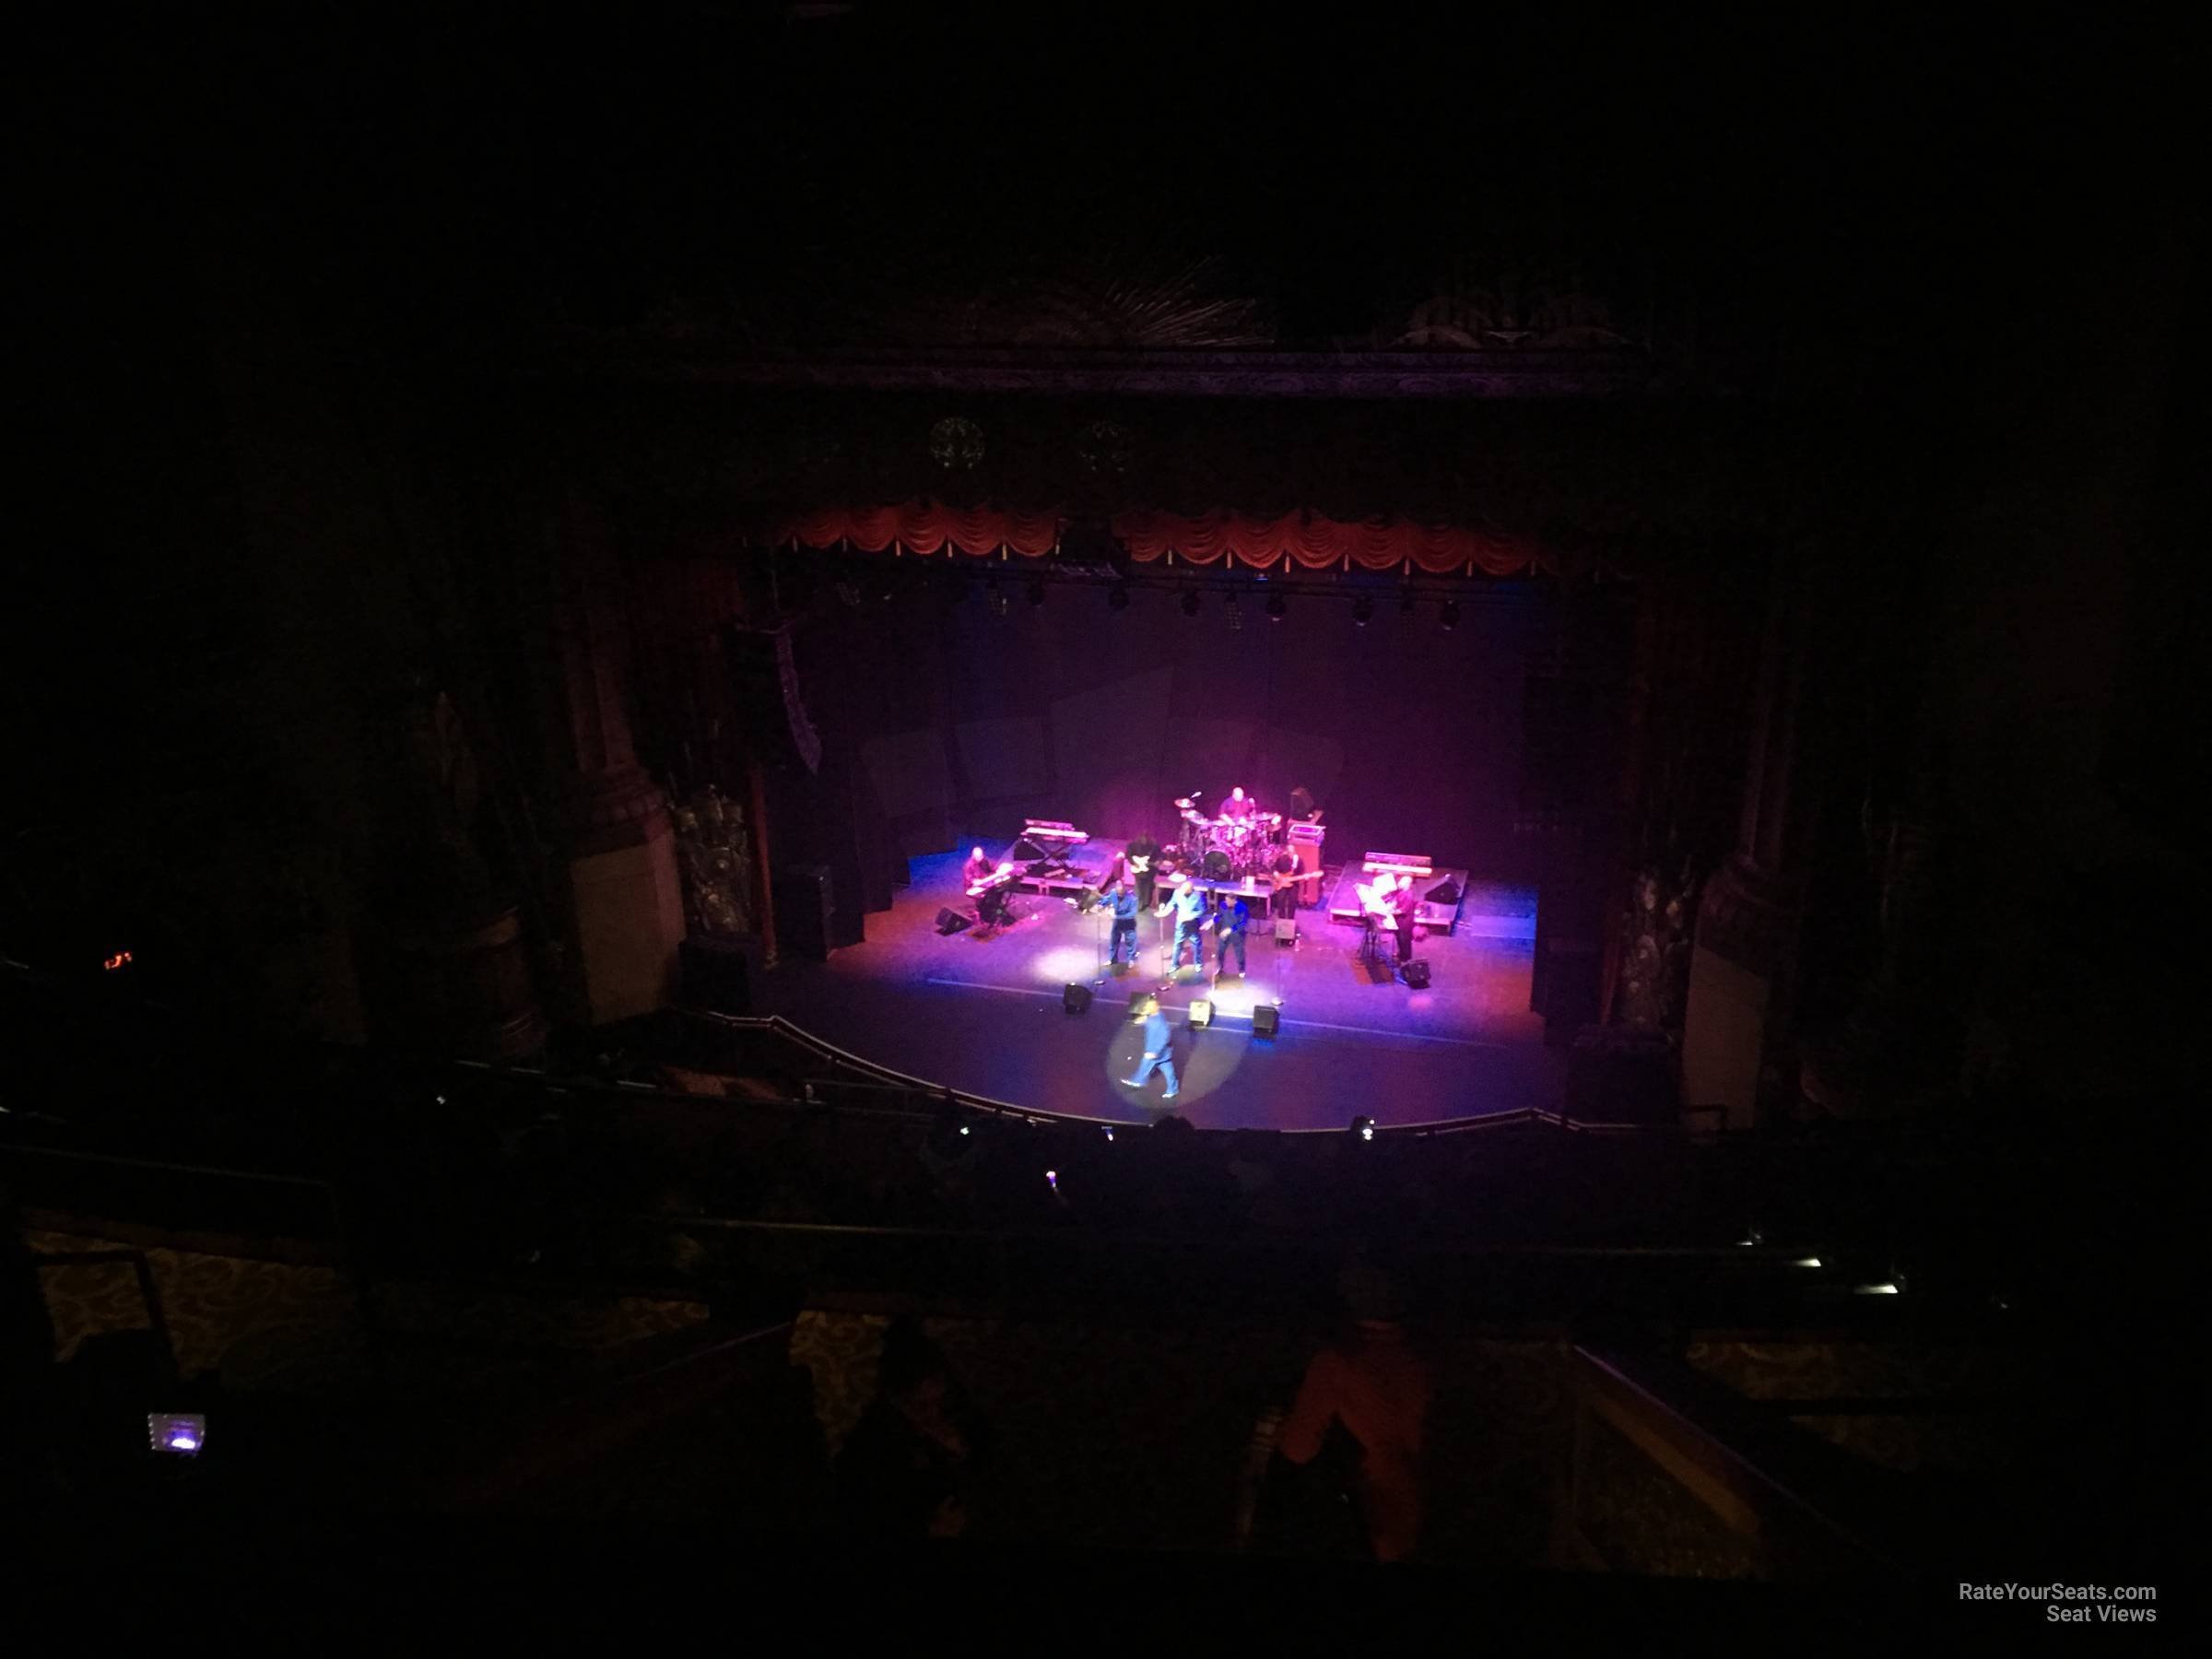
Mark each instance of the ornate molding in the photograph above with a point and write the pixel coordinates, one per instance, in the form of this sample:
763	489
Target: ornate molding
1506	373
614	809
1750	917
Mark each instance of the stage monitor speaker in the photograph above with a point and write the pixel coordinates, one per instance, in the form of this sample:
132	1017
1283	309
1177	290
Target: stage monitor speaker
765	678
718	973
1266	1020
1202	1014
1568	992
950	921
1445	892
1416	974
1285	930
1075	998
804	908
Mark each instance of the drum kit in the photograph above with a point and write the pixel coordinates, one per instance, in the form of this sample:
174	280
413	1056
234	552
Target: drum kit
1230	847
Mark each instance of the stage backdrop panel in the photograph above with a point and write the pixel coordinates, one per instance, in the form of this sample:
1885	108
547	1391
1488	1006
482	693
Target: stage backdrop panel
909	771
1408	732
1289	759
1107	746
1004	757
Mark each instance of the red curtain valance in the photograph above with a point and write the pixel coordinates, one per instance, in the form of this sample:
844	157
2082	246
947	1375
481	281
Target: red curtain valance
1306	540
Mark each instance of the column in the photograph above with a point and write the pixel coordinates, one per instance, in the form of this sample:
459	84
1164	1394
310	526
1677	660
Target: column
624	892
1736	1032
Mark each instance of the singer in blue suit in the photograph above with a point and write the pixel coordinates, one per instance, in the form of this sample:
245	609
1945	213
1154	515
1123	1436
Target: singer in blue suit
1231	917
1121	901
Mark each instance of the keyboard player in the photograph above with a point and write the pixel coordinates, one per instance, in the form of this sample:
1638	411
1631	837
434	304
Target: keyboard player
991	885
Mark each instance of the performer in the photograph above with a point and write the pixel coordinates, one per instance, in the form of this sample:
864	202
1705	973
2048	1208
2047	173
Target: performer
1238	805
1188	905
1231	917
1282	892
1160	1049
1121	900
1304	809
1404	906
987	886
1143	855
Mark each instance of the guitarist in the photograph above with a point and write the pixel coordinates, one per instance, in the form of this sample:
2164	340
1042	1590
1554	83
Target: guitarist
1142	854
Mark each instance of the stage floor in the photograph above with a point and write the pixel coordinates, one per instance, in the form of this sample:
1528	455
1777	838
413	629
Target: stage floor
982	1011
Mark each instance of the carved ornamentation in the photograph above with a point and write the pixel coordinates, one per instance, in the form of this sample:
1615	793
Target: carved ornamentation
957	443
1749	917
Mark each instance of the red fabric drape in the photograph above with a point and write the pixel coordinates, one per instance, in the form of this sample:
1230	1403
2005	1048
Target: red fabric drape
928	527
1306	540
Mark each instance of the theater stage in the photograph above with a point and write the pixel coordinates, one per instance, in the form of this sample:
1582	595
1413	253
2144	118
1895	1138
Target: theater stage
983	1012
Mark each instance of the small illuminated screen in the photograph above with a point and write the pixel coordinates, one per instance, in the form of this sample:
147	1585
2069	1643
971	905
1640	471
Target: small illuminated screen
180	1432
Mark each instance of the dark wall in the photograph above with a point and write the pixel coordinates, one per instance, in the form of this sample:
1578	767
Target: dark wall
967	721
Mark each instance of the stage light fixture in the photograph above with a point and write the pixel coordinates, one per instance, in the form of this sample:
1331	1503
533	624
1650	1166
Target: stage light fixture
1036	593
1190	604
180	1432
1363	611
1448	617
1277	609
1117	596
1236	613
1364	1127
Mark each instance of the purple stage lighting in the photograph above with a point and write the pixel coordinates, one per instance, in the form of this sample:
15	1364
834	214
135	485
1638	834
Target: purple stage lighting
181	1433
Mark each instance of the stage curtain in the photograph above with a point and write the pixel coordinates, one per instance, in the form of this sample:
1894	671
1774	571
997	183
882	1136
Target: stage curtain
926	527
1306	540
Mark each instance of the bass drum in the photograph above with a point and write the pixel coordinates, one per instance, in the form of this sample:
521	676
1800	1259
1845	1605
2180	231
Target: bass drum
1218	866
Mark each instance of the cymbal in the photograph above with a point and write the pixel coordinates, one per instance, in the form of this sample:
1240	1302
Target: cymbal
1184	802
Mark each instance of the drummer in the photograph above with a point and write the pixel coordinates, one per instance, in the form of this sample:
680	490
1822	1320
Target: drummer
1239	805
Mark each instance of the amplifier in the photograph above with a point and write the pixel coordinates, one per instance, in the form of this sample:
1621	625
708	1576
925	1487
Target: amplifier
1307	833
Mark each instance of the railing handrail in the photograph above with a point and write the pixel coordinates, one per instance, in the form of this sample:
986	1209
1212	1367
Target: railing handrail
167	1167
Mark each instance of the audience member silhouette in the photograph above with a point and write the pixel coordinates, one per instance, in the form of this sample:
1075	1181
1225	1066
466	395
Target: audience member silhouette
905	1471
1371	1385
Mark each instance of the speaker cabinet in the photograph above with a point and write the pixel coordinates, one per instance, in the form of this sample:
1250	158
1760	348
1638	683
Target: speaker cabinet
1075	998
1266	1020
1417	973
952	921
1618	1075
805	905
1285	930
1566	988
